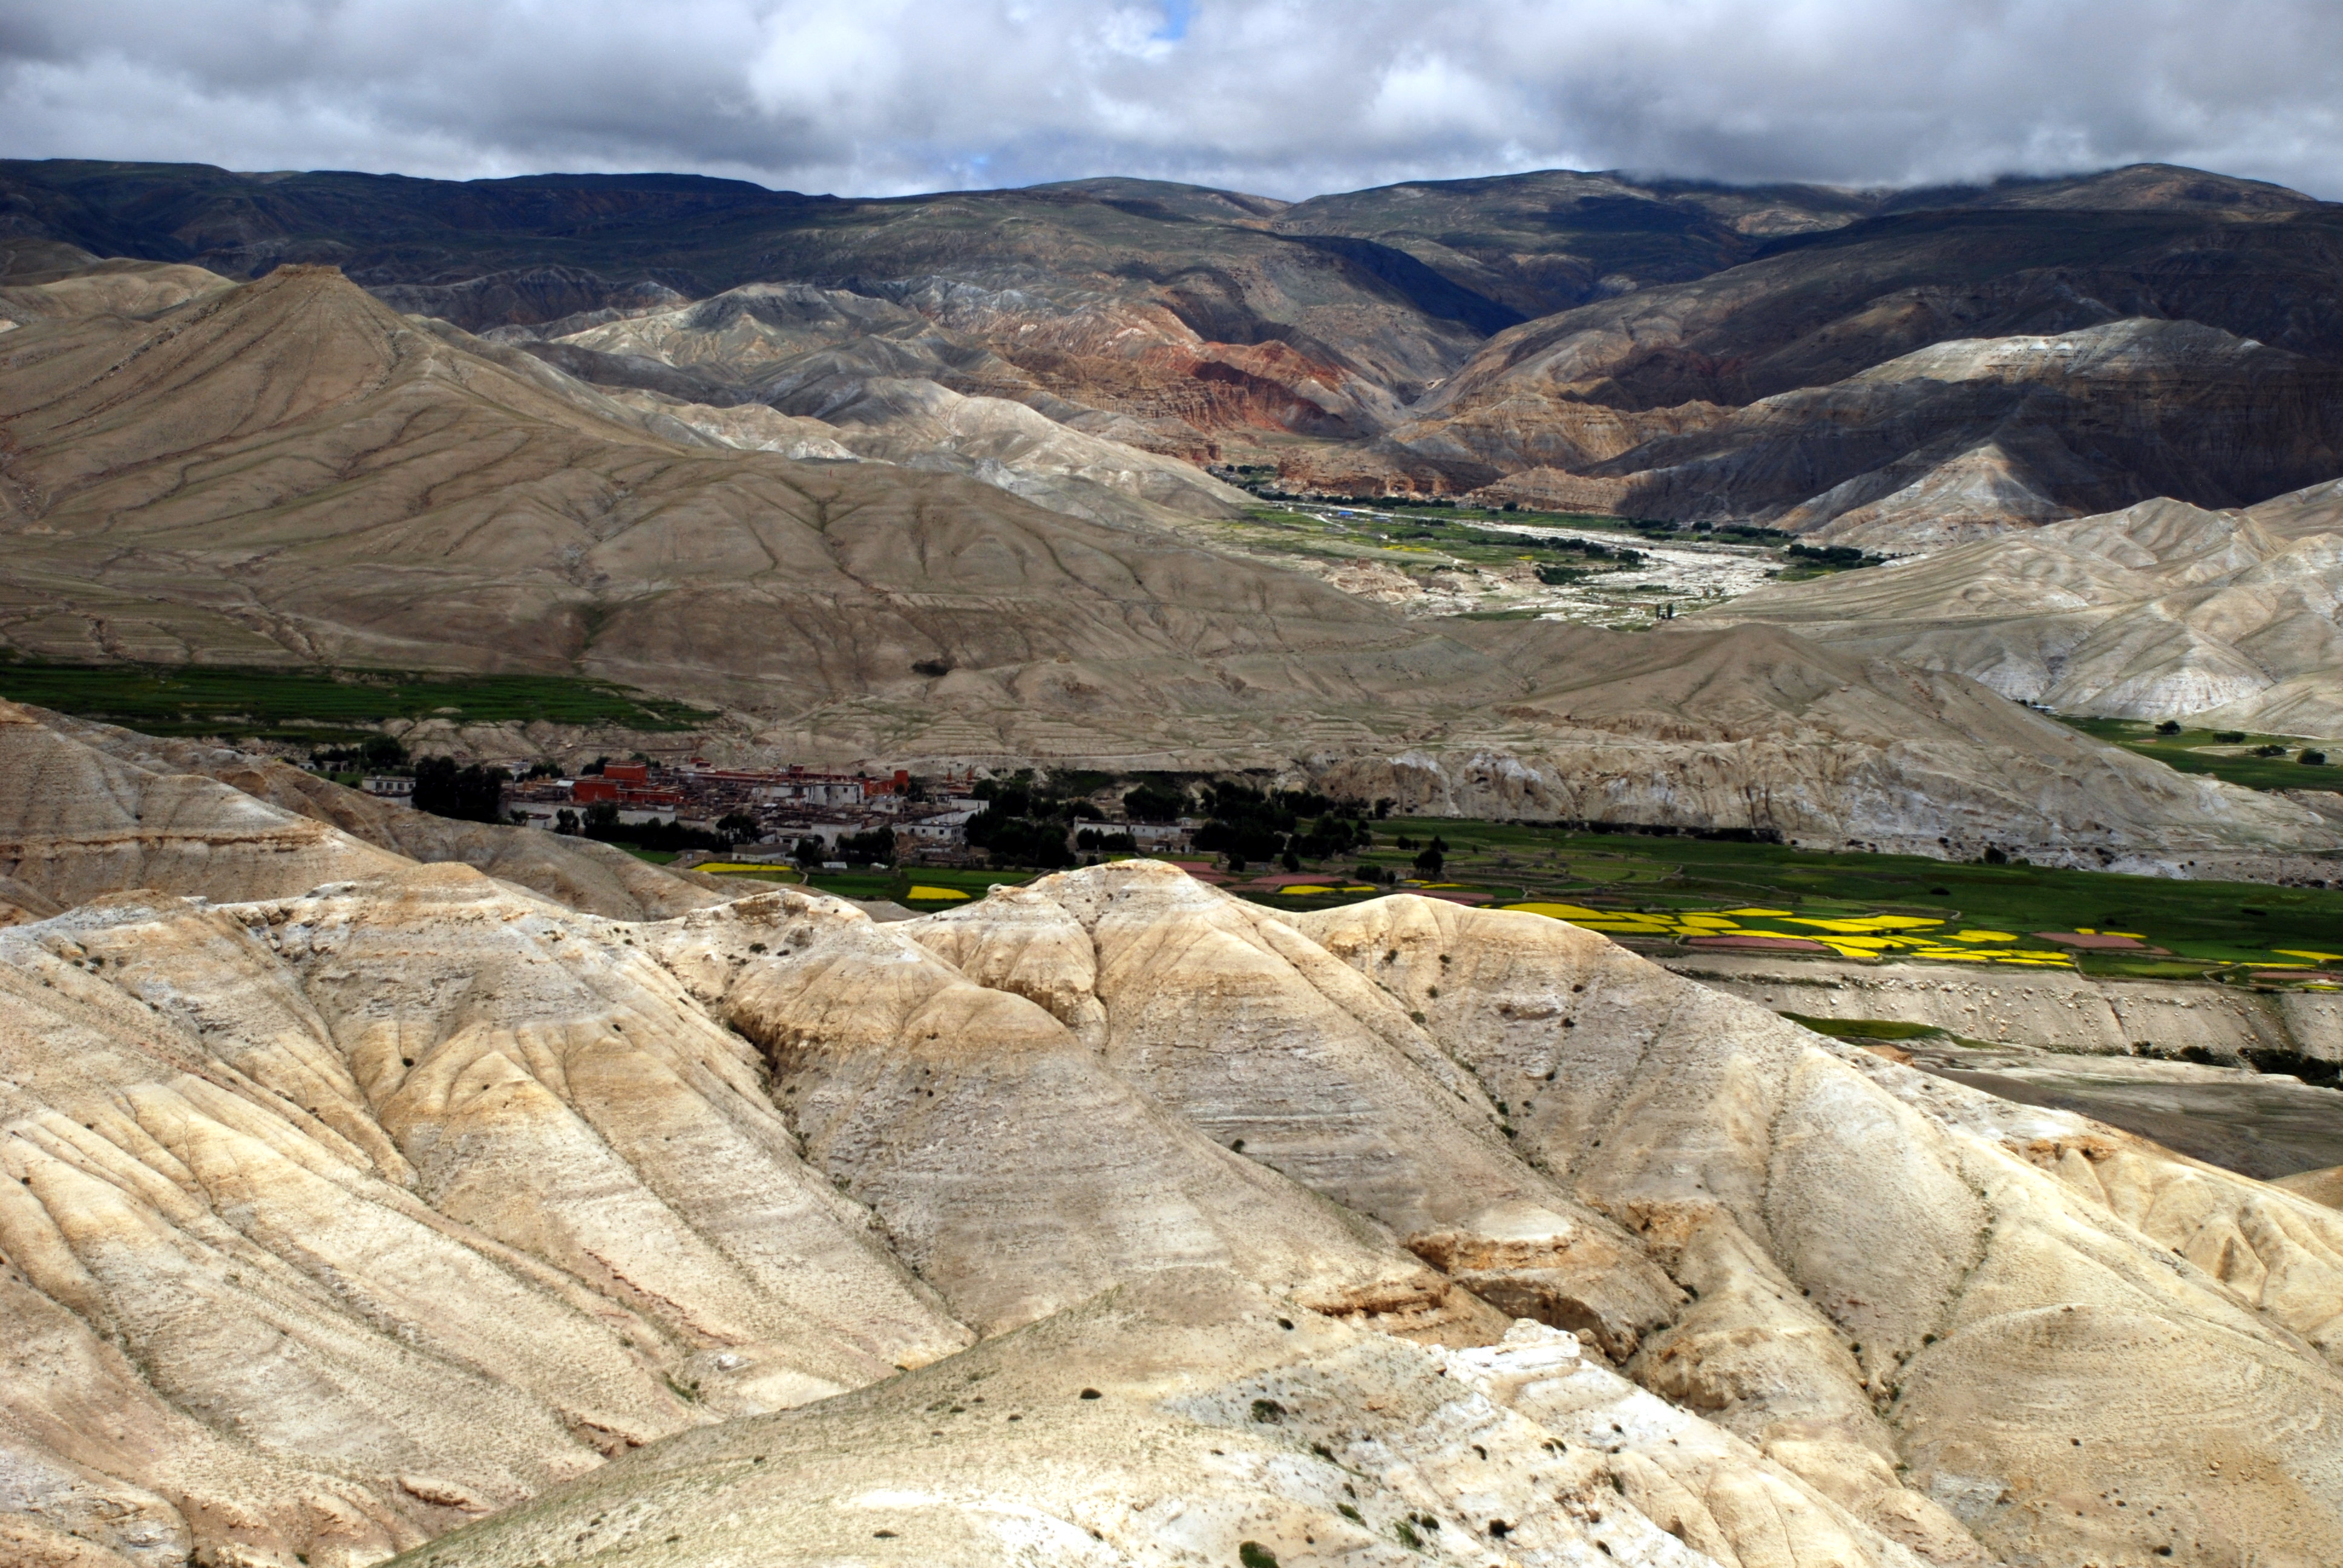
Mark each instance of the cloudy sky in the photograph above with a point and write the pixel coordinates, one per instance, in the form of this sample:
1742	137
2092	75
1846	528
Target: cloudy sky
1287	97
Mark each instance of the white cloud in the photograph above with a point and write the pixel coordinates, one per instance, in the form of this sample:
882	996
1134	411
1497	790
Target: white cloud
1284	96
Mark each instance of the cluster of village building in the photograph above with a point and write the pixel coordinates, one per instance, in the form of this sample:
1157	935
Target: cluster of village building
928	817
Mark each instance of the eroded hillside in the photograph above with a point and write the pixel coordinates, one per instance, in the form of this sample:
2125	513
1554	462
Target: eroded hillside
348	1215
2159	610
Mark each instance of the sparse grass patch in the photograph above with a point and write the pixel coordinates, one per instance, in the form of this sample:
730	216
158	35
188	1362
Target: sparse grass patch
1864	1028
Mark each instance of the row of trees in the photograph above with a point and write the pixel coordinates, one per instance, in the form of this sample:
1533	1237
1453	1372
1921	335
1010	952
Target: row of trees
373	754
470	794
1028	823
1024	822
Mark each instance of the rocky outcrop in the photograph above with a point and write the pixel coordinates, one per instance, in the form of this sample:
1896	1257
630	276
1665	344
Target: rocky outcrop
295	1213
1178	1420
76	824
1641	1120
2062	1010
1843	1353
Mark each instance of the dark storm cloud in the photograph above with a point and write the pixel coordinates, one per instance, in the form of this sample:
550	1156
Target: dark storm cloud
1282	96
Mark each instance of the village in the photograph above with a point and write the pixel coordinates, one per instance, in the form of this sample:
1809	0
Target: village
767	814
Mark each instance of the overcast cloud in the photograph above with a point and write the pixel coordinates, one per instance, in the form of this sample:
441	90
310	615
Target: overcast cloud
1287	97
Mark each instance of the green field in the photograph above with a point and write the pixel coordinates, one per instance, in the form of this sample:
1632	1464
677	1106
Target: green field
1655	891
1917	908
1415	544
1420	536
2202	926
2197	751
322	706
1865	1029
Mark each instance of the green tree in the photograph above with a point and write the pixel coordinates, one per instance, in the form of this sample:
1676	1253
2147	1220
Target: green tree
472	794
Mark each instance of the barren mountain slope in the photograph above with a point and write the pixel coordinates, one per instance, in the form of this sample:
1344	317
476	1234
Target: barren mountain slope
345	1216
895	382
2085	421
1718	351
1188	321
302	470
1578	392
2161	610
290	472
1746	728
1949	442
1552	240
127	287
1188	315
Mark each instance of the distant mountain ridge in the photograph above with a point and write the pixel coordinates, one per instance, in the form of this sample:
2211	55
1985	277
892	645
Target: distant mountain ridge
1435	336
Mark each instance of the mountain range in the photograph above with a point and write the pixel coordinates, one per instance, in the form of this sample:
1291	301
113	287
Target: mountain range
1843	361
289	472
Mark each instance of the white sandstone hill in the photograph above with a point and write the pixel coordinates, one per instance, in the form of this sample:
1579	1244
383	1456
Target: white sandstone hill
343	1216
